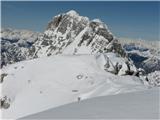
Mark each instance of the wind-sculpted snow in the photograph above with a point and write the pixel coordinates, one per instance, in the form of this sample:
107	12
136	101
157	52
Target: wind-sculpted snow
37	85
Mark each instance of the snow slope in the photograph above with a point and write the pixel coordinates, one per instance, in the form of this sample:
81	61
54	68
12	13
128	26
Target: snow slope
135	105
40	84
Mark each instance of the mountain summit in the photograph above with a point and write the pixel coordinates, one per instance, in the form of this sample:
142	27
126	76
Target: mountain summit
70	33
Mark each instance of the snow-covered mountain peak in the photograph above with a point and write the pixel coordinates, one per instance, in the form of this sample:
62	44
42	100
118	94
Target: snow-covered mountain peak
76	15
72	13
97	20
69	18
71	33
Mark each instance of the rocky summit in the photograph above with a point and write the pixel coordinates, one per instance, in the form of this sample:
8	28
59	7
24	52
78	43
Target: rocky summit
70	33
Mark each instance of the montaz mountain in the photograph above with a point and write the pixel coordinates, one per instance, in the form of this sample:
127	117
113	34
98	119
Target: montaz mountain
67	33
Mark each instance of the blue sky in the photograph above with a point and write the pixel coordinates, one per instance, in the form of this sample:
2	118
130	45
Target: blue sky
125	19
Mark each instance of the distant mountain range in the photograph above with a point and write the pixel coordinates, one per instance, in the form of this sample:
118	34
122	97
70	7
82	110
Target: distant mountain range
16	44
144	54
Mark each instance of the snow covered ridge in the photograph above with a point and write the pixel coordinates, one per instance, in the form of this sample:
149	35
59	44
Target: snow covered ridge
36	85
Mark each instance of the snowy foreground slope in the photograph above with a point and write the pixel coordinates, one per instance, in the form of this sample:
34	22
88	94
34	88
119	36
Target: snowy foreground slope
134	105
40	84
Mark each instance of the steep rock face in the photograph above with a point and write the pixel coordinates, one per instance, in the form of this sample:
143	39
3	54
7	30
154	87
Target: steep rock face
70	33
15	45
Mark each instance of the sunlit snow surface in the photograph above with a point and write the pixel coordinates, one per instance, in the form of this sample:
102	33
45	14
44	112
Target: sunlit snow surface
134	105
40	84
